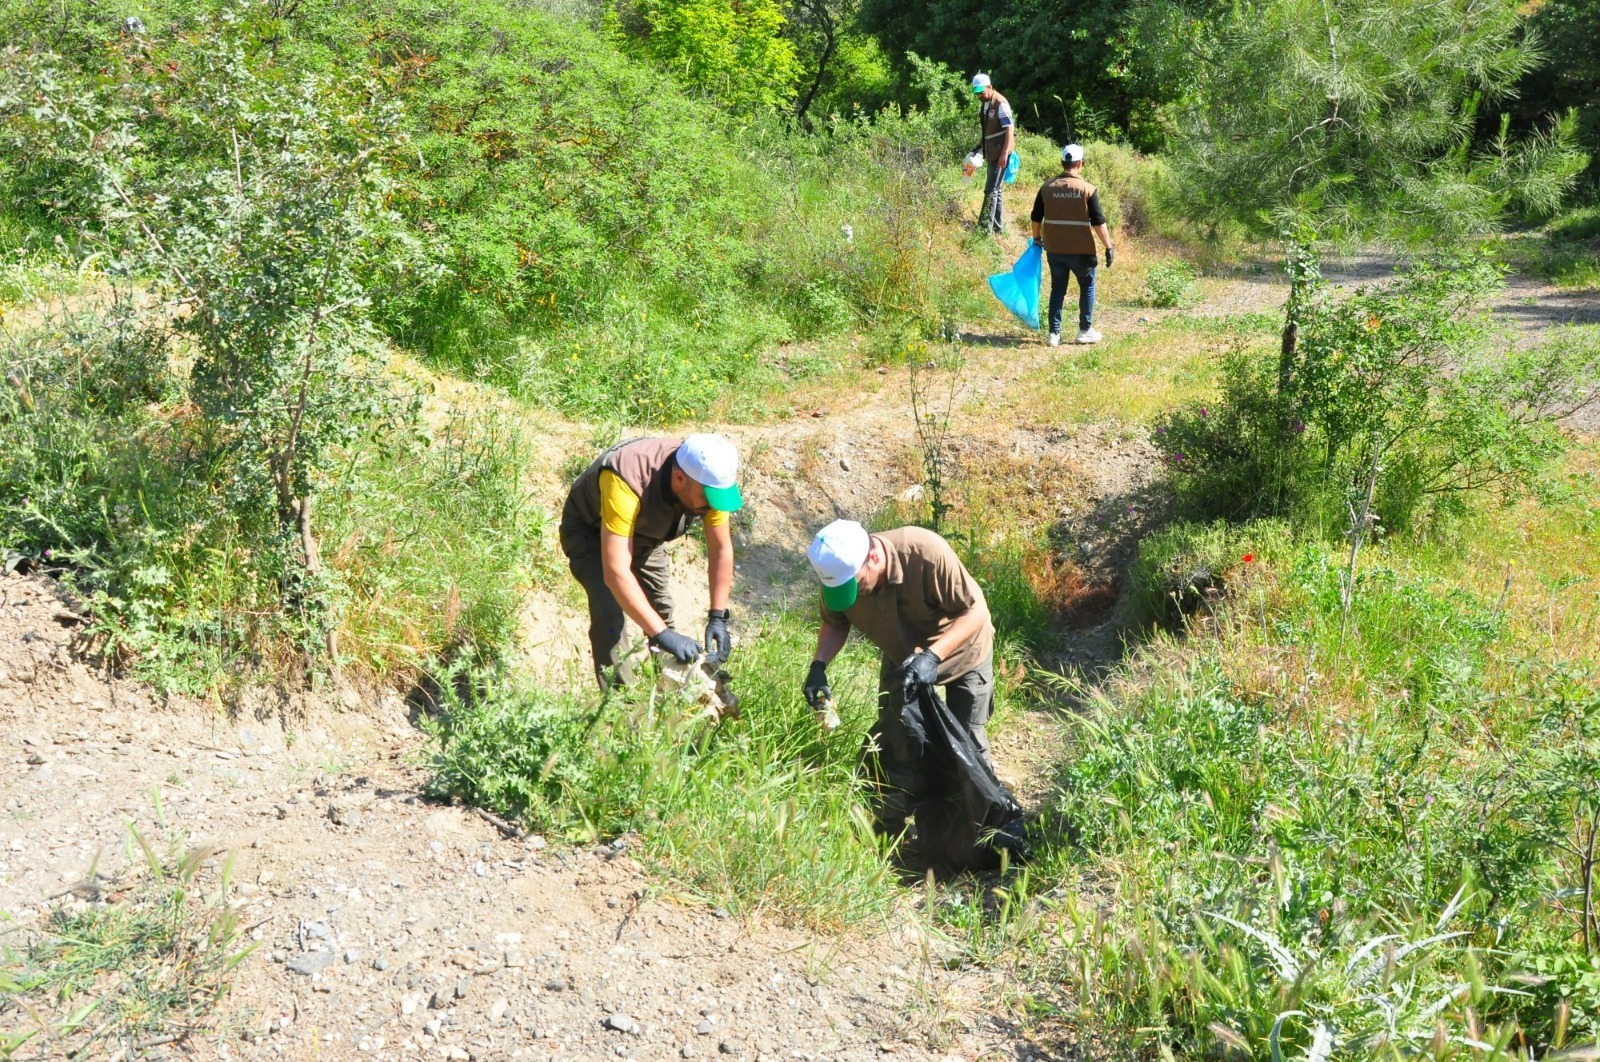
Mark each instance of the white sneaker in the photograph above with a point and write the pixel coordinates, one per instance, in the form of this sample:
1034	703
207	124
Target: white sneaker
1089	335
1055	339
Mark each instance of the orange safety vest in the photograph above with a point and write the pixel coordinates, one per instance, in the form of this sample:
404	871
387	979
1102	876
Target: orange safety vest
1066	215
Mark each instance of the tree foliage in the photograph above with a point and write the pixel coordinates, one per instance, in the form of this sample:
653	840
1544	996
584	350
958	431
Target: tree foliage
1076	69
1567	76
1357	116
732	50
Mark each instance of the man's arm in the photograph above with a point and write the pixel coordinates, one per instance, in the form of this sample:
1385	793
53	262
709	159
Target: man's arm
964	628
830	639
616	562
1097	221
719	563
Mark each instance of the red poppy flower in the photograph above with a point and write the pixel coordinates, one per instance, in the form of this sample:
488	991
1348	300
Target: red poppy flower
1248	557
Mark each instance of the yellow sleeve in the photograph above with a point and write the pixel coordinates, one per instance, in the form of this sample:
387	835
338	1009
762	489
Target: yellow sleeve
715	518
619	505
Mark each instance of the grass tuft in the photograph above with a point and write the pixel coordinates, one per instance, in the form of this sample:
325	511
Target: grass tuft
129	965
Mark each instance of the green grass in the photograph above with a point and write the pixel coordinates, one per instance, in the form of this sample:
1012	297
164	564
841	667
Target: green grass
1288	819
760	813
436	537
1130	378
146	961
1565	252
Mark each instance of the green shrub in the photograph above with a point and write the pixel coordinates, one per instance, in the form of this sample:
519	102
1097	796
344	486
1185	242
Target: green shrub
1184	566
434	537
1402	376
762	812
1170	284
107	479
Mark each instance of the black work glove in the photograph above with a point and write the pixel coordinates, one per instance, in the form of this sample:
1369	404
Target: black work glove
817	689
1111	254
683	648
921	668
718	642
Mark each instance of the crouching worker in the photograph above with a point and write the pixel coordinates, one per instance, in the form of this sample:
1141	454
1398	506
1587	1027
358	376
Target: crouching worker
909	594
620	513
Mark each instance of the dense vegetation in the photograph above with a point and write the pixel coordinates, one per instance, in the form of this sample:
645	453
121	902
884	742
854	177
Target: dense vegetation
297	296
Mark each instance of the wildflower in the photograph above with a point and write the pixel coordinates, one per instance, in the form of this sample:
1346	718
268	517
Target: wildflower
1298	426
1203	411
1248	557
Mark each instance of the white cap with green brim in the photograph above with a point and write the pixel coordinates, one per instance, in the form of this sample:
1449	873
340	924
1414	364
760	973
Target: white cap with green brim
1072	153
836	555
713	462
980	82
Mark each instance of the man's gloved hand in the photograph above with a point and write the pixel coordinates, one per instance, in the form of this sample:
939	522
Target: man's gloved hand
817	689
1111	254
683	648
921	668
718	642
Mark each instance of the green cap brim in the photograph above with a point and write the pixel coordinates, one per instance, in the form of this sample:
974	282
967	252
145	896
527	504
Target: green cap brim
838	598
725	499
977	90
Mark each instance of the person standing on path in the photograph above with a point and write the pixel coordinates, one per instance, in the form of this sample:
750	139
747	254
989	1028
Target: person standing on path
998	139
632	500
909	594
1066	219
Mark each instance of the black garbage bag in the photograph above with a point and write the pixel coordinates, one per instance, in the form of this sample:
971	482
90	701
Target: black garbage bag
965	815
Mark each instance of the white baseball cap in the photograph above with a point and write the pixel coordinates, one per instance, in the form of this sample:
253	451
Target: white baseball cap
1072	153
713	462
980	82
836	555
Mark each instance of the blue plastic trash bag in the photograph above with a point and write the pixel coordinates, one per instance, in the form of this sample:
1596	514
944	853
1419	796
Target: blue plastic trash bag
1018	290
1013	164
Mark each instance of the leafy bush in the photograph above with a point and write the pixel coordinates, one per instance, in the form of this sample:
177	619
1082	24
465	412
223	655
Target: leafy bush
736	52
1184	566
1402	378
1169	284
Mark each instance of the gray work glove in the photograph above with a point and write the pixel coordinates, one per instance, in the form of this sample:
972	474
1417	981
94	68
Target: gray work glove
683	648
921	668
719	643
1111	253
817	690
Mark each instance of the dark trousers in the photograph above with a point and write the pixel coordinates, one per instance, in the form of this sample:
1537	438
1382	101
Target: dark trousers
1062	268
651	566
897	777
993	215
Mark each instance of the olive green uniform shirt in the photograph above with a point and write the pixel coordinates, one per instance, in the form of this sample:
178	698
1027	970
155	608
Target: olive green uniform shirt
923	589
